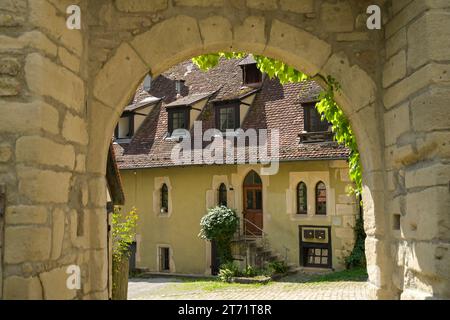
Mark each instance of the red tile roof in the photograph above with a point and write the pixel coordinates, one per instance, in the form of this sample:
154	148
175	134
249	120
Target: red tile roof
276	106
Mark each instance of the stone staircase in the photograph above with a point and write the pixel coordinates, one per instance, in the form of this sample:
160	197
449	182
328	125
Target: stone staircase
256	251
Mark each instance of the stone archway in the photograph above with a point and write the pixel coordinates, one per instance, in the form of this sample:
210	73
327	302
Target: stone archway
77	82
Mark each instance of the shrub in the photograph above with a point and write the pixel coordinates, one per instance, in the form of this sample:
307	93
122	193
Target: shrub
228	270
220	224
249	271
278	267
123	232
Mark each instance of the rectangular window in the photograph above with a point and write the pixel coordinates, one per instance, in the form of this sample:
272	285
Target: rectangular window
312	119
227	116
178	119
164	259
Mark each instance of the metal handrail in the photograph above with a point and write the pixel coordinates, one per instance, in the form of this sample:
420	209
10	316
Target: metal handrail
265	241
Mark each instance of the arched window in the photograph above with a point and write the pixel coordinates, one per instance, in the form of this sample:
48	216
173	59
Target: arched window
252	179
164	199
222	195
321	198
302	204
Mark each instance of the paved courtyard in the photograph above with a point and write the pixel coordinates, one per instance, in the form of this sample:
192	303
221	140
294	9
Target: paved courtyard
294	287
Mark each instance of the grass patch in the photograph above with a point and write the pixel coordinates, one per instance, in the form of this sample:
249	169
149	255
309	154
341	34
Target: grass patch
208	285
356	274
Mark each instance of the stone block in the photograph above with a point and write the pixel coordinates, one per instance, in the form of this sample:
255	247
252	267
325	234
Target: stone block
159	51
355	82
117	93
5	152
23	214
396	43
429	259
298	48
429	38
19	288
394	69
10	20
75	129
199	3
304	6
396	123
427	215
337	17
141	6
33	39
345	209
69	60
58	230
54	283
216	31
346	199
28	117
432	175
344	233
430	109
49	79
39	150
429	74
262	4
26	243
9	66
97	191
80	164
352	36
44	186
250	35
9	86
46	17
98	270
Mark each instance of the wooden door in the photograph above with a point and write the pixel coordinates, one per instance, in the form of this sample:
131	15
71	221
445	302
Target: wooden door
253	210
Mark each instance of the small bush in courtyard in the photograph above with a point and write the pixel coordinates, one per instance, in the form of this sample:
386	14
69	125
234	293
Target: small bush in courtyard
278	267
220	224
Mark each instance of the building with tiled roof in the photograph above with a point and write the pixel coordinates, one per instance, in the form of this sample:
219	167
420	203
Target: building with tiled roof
190	140
273	107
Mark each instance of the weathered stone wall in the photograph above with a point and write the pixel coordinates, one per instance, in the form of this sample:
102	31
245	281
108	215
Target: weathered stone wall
63	90
55	213
416	83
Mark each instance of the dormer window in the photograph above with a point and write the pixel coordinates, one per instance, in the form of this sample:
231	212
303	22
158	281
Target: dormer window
125	127
178	86
313	120
227	116
178	119
251	74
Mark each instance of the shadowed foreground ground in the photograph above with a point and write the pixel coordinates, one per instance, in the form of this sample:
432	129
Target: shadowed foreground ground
347	285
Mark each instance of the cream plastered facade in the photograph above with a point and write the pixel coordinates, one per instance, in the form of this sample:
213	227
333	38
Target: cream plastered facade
64	90
192	190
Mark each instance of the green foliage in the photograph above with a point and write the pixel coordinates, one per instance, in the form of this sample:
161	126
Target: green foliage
327	106
229	270
342	130
357	258
278	267
249	271
123	231
220	224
